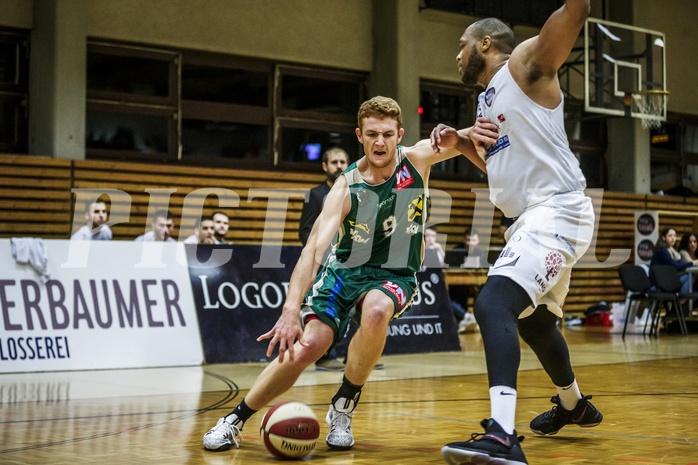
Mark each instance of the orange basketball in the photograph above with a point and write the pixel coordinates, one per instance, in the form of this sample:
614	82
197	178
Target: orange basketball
290	430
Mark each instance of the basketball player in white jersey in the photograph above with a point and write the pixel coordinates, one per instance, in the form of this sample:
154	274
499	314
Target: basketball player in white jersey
533	176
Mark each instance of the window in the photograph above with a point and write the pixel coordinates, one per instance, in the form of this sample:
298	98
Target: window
674	155
115	131
14	57
454	105
316	110
225	81
226	109
307	144
144	78
132	102
586	133
211	109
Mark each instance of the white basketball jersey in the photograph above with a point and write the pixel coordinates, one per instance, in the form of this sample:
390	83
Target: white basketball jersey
531	160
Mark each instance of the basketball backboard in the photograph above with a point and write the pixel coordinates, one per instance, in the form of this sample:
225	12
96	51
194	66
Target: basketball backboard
620	60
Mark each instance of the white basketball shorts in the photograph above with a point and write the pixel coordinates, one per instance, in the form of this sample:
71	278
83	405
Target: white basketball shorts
542	247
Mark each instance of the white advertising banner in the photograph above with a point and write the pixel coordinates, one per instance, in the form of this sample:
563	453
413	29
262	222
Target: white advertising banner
79	305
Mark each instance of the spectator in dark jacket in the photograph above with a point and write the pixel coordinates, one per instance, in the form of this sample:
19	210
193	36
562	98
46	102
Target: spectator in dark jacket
666	254
334	162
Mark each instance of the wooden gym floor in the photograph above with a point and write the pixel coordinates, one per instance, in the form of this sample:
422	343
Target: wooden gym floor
646	388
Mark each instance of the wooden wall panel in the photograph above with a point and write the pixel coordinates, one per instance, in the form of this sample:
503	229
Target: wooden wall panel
35	200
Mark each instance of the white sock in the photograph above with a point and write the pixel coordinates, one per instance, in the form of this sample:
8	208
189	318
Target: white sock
569	395
503	407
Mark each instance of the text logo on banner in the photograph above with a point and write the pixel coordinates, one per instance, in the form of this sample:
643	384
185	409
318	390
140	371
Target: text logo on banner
236	302
108	314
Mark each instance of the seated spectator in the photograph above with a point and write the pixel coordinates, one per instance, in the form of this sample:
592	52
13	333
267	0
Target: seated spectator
95	229
688	246
203	232
665	254
434	254
220	226
434	257
472	255
161	228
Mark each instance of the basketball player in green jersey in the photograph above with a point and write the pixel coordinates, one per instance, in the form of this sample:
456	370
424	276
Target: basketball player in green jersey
374	217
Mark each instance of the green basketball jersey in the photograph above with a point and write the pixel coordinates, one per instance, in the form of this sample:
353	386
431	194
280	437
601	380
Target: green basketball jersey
385	225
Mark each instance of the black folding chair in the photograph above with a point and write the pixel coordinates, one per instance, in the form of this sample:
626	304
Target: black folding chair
638	288
667	279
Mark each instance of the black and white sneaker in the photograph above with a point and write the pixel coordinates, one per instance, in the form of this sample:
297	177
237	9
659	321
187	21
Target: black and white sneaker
222	436
584	414
494	447
339	436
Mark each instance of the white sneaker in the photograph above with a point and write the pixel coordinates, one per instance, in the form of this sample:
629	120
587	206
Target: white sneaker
467	324
339	436
222	436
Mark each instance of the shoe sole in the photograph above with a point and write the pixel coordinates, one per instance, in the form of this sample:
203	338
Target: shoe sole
220	449
334	447
455	456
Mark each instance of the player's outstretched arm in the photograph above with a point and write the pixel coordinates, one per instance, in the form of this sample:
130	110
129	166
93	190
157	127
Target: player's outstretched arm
544	54
288	328
471	142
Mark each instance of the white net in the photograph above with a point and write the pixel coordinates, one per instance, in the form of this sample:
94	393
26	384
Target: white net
651	105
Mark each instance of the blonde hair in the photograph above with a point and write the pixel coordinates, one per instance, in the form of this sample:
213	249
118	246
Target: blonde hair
380	107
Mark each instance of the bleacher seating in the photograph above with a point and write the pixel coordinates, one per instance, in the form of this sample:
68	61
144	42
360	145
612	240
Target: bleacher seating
35	200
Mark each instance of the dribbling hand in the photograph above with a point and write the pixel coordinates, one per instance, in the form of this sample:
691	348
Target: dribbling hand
285	332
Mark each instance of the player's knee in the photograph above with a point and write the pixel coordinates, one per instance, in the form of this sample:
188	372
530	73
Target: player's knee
539	324
312	348
489	311
501	299
308	355
376	315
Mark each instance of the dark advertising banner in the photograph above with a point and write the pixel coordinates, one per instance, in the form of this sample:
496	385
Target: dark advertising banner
429	326
239	292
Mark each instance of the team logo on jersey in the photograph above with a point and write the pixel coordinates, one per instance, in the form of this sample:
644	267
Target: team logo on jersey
359	232
553	262
507	252
501	118
489	96
503	264
568	245
507	258
501	144
395	290
540	282
387	203
416	208
361	195
404	177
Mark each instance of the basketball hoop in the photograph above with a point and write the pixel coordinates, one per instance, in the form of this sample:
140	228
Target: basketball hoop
649	105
